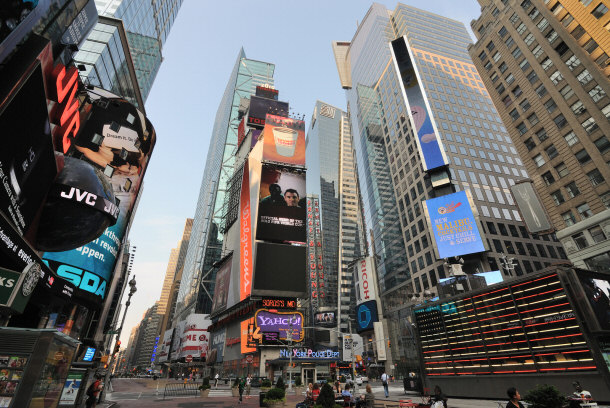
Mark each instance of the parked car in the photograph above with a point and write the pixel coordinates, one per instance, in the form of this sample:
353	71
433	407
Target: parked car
362	379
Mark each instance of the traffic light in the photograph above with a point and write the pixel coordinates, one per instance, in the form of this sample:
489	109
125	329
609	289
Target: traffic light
389	344
117	346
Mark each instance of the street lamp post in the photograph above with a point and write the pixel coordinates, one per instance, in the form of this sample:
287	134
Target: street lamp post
132	290
289	338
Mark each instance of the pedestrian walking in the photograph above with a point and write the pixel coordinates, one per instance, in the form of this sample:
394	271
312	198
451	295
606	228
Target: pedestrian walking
513	397
248	385
216	380
384	381
241	385
93	391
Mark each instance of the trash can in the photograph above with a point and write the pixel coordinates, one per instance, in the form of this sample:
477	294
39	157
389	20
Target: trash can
262	396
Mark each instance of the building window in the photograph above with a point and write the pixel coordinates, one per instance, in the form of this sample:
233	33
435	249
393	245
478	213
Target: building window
590	46
558	197
578	108
566	92
572	189
605	199
599	11
589	125
509	42
494	77
562	170
560	121
595	177
605	111
521	128
529	143
552	36
502	67
517	91
571	138
551	151
524	65
525	105
584	77
539	160
533	119
510	79
500	88
567	20
602	144
532	77
529	39
542	24
586	2
573	62
541	135
582	156
568	218
562	48
516	53
556	77
550	105
584	210
496	57
546	63
602	60
578	32
537	51
521	28
506	101
491	46
580	240
597	93
514	114
541	91
597	234
503	32
548	178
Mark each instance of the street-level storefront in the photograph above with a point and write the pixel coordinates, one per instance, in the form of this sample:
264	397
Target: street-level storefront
311	365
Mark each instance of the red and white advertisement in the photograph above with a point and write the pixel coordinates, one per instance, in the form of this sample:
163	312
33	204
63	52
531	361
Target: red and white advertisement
365	280
284	141
195	336
245	231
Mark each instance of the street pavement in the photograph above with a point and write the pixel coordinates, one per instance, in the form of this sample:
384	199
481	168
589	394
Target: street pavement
131	393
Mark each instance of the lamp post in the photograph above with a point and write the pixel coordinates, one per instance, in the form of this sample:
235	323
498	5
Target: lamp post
132	290
289	338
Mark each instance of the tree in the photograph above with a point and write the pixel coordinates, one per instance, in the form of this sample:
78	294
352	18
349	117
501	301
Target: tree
544	396
326	397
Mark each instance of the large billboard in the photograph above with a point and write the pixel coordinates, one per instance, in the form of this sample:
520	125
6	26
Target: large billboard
284	141
177	343
453	224
275	325
195	336
245	238
325	319
529	205
245	336
280	270
281	209
117	141
221	287
428	138
365	280
260	107
597	293
165	348
217	345
315	255
366	315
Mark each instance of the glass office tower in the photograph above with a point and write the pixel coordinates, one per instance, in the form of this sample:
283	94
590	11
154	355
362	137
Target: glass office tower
479	154
332	177
205	247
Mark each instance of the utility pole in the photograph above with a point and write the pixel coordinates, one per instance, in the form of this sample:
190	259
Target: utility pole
289	338
351	337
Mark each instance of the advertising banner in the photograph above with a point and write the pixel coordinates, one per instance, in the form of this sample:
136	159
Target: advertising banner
70	390
281	209
532	211
245	231
365	280
280	270
428	138
195	336
453	224
380	341
116	141
241	131
177	343
260	107
221	287
218	344
315	256
597	293
325	319
352	342
366	315
165	348
279	324
81	25
266	91
284	140
246	336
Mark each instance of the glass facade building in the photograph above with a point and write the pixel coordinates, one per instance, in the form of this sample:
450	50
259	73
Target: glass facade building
205	247
332	176
480	158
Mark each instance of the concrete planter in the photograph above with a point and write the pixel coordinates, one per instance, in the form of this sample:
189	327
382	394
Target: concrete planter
204	393
298	390
235	391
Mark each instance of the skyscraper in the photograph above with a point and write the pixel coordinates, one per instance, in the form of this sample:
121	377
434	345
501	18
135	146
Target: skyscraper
332	178
474	154
205	246
548	63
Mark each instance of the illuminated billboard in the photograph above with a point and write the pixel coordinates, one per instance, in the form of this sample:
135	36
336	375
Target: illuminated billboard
325	319
366	316
221	287
245	328
284	141
453	224
245	236
315	254
195	336
428	138
365	280
260	107
117	141
597	293
280	270
281	209
276	325
217	345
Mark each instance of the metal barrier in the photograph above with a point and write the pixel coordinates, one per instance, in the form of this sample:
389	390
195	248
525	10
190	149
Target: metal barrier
172	390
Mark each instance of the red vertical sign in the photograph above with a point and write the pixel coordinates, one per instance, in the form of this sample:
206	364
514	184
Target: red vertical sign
245	231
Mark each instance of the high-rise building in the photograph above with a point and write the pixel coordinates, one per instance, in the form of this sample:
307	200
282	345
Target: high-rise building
205	246
546	65
147	338
392	54
136	28
332	178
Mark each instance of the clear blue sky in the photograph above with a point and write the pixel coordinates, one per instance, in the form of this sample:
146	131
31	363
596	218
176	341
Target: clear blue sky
198	57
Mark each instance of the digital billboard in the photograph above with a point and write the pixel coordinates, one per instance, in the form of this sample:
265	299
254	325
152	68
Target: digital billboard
195	336
117	140
246	336
365	280
315	254
284	141
428	138
280	270
267	92
217	344
281	208
530	207
597	293
245	238
366	315
453	224
221	287
279	324
260	107
325	319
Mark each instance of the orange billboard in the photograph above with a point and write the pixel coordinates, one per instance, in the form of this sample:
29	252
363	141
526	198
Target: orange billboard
245	231
246	335
284	141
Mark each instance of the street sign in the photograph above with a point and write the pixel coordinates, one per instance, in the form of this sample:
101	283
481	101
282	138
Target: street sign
188	358
249	358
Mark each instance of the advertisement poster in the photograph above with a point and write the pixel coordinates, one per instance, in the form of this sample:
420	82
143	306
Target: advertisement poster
355	342
365	280
281	210
325	319
70	390
597	293
260	107
195	336
245	238
116	140
165	346
530	207
428	140
284	141
246	336
280	323
366	315
453	224
217	345
177	343
221	287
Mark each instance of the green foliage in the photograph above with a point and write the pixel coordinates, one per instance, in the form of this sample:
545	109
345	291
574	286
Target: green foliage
280	383
236	382
271	401
205	384
327	396
544	396
266	383
298	382
276	393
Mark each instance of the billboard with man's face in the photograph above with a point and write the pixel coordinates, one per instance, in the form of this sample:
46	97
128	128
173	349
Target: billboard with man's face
281	211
